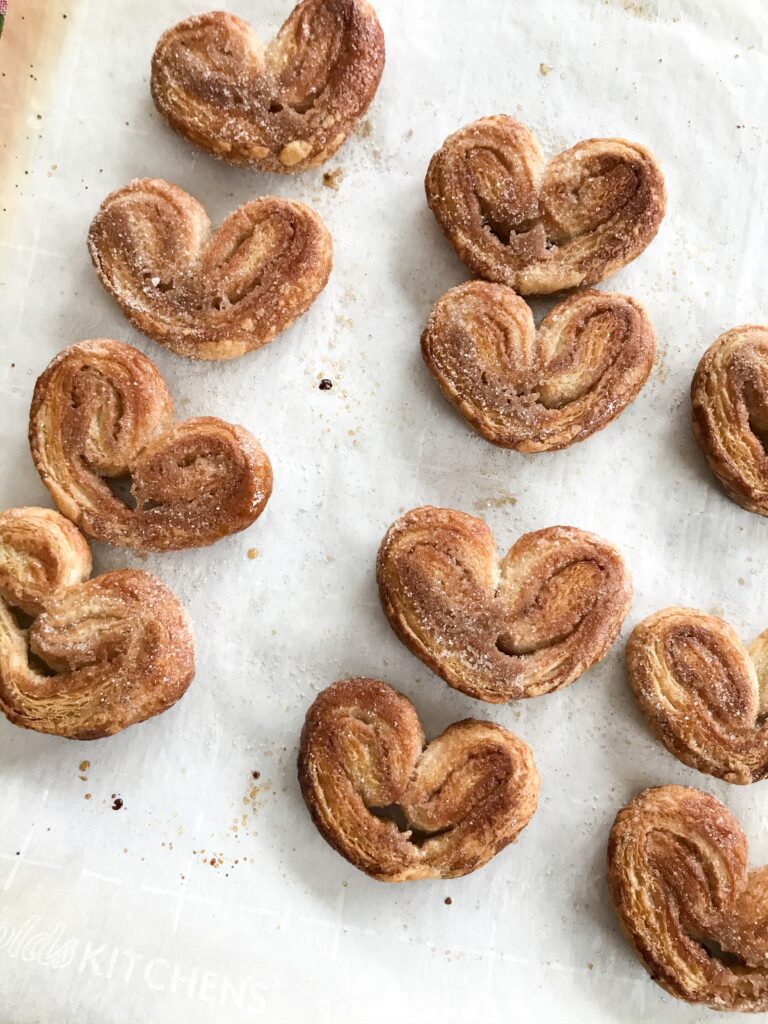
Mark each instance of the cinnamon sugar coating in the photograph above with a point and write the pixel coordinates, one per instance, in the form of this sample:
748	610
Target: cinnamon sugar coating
100	654
704	693
101	412
526	626
537	390
203	295
696	915
283	108
465	796
537	227
729	395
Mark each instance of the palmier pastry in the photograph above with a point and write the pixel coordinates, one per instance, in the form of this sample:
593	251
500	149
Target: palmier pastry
101	412
537	390
203	296
498	632
284	108
697	917
704	693
730	414
464	796
98	654
542	228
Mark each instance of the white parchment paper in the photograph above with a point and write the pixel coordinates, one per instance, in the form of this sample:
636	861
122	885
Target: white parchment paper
210	897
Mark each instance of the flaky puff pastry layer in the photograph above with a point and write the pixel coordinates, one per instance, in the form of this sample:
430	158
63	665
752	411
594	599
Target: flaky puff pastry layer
704	693
285	108
99	654
204	295
101	412
697	917
464	796
499	631
537	390
729	395
537	227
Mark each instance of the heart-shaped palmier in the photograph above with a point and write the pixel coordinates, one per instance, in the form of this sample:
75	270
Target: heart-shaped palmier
203	296
284	108
697	917
498	632
463	797
704	693
537	390
730	413
101	413
539	228
99	654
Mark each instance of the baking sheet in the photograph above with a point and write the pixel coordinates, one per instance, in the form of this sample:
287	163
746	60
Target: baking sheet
209	897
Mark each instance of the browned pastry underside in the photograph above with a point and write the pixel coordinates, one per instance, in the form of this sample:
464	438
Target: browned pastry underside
101	415
542	228
730	413
697	917
99	655
704	693
500	631
208	296
537	390
464	796
284	108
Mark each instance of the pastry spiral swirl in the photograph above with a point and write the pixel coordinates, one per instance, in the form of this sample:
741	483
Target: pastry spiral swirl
203	296
284	108
499	632
704	693
538	228
697	917
101	411
730	414
100	654
537	390
465	796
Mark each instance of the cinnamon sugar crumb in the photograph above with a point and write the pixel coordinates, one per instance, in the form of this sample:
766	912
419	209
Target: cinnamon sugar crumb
333	179
500	501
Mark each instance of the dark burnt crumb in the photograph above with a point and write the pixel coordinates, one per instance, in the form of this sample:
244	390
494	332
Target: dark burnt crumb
448	901
256	775
117	803
325	384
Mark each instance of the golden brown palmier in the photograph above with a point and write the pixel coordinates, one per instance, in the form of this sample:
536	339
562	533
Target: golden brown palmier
208	296
542	228
537	390
99	654
730	413
704	693
284	108
464	796
101	412
499	632
697	917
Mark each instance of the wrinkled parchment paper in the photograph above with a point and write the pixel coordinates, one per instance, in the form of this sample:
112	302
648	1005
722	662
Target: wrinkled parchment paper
209	898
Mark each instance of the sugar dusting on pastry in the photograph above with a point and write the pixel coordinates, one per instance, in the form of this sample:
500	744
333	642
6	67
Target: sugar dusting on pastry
283	108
